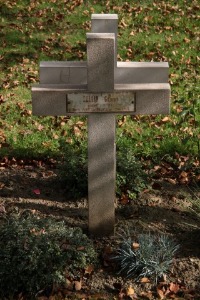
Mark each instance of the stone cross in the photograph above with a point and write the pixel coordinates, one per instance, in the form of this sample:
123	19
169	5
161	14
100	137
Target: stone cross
100	88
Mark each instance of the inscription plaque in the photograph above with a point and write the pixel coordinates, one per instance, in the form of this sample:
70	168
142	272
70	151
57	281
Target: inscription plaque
101	102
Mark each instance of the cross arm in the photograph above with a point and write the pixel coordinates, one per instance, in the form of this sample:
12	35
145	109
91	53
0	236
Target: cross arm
58	100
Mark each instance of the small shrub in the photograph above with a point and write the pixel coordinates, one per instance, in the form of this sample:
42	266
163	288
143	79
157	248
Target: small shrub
152	258
131	177
37	252
73	173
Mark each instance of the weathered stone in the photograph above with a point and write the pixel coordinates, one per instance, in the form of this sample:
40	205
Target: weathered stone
150	98
101	173
57	72
100	55
105	23
141	72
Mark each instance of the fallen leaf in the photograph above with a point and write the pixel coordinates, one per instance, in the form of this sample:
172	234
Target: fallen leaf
162	290
160	294
172	181
55	136
36	192
77	285
2	185
174	287
144	280
135	246
130	292
124	199
89	269
2	209
183	174
69	140
40	127
80	123
186	40
166	119
77	131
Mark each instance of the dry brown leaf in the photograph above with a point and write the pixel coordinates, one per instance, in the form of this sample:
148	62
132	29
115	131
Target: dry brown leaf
55	136
2	209
186	40
124	199
89	269
80	123
162	290
160	294
2	185
130	291
77	285
136	246
183	174
144	280
40	127
77	131
69	140
172	181
166	119
174	287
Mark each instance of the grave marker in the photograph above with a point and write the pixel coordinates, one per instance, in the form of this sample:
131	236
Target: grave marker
101	88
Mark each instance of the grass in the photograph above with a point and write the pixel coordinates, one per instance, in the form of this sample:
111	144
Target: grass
56	31
152	256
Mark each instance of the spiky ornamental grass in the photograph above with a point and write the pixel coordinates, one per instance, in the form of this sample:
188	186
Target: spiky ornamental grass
152	258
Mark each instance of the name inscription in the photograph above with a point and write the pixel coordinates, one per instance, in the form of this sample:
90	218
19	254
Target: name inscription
101	102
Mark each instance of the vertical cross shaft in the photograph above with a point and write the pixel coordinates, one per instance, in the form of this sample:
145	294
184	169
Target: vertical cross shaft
101	54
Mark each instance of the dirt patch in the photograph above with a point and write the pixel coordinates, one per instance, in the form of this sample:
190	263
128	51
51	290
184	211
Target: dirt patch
165	210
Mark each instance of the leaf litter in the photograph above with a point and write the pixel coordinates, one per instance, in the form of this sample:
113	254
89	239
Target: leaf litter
102	282
164	208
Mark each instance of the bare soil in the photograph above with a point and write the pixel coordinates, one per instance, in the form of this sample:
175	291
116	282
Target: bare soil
165	209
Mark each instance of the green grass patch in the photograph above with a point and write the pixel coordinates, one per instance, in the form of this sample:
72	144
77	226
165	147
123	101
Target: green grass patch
57	31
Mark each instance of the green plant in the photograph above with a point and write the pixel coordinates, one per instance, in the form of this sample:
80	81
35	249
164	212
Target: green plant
37	252
131	178
150	257
73	173
145	34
